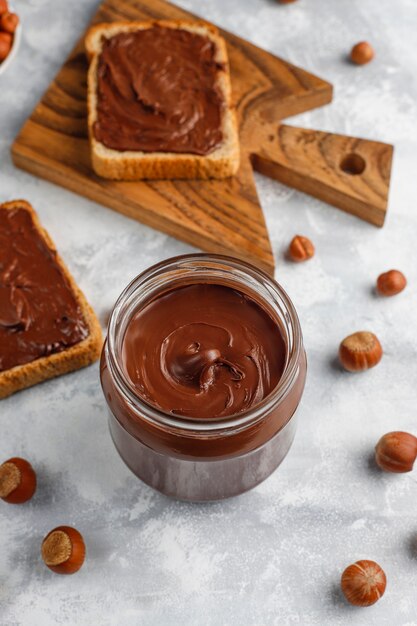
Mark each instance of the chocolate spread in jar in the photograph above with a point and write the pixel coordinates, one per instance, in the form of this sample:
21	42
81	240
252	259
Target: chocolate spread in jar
203	350
39	314
157	92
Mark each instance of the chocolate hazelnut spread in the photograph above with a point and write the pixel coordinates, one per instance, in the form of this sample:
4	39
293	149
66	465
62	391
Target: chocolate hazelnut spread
202	351
203	370
39	313
157	92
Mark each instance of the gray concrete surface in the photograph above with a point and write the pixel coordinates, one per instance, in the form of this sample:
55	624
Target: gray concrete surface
275	555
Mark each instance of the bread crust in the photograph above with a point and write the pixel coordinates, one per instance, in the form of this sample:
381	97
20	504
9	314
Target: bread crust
108	163
75	357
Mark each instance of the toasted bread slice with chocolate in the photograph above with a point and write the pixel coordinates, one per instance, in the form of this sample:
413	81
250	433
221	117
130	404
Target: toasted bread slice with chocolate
47	328
219	161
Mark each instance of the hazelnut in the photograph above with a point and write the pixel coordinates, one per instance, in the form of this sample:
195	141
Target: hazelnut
390	283
9	22
300	249
396	452
3	6
363	583
360	351
63	550
17	481
362	53
5	45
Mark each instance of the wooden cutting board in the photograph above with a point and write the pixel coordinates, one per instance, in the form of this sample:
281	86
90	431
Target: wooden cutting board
216	216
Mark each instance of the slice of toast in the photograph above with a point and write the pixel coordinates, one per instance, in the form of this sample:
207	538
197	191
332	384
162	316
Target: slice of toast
221	162
59	358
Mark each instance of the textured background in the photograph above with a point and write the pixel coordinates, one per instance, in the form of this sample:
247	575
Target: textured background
272	556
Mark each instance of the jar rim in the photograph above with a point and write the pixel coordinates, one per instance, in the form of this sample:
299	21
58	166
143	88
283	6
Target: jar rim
188	424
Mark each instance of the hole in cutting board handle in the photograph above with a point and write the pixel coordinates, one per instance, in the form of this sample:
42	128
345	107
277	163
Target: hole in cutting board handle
353	164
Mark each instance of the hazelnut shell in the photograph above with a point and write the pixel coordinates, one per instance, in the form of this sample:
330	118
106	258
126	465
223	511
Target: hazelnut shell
391	283
300	249
17	481
5	45
63	550
9	22
362	53
363	583
396	452
360	351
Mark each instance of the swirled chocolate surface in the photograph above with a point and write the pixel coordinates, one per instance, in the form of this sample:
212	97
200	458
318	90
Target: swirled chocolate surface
157	92
203	350
39	314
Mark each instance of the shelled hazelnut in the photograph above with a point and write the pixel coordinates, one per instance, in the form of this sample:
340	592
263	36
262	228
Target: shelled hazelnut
63	550
362	53
360	351
391	283
363	583
17	481
300	249
396	452
6	41
9	22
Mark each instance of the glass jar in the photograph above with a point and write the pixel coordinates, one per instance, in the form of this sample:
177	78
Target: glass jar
203	459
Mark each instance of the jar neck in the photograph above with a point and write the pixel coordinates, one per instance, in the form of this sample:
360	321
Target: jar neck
192	269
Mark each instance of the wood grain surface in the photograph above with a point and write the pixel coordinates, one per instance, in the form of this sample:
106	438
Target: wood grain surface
216	216
349	173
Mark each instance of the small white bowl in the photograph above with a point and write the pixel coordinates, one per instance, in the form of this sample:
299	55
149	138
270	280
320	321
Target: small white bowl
13	51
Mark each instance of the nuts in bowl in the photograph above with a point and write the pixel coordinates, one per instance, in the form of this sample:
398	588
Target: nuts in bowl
9	34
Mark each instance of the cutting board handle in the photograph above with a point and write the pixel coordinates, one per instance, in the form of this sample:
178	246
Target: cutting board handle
350	173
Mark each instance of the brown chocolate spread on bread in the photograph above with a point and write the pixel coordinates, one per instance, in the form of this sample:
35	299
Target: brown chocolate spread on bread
39	312
157	92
